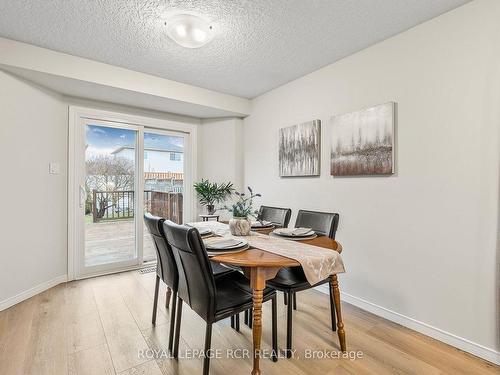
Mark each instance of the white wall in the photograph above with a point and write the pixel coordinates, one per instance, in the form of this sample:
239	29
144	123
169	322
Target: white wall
421	243
33	223
220	153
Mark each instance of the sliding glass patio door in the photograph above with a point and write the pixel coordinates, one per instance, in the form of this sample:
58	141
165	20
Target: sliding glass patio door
123	170
164	180
109	202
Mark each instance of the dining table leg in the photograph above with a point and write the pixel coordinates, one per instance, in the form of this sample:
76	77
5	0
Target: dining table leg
338	310
258	277
257	328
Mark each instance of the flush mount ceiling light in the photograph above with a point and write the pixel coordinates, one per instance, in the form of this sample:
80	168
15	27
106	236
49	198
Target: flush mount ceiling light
189	31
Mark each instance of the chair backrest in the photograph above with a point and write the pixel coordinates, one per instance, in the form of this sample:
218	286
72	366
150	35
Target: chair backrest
196	281
276	215
323	223
165	266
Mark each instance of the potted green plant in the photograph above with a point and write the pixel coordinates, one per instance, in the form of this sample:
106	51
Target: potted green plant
210	193
240	225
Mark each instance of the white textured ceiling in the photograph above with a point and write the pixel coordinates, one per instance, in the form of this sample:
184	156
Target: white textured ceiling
261	44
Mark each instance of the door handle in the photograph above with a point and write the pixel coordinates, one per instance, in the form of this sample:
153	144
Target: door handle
83	196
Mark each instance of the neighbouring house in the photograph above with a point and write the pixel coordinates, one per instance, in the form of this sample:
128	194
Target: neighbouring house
156	160
163	167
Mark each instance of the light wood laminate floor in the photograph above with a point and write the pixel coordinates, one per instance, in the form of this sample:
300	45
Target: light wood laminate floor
102	325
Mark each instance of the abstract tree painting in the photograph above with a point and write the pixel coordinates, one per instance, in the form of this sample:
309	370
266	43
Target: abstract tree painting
363	142
299	149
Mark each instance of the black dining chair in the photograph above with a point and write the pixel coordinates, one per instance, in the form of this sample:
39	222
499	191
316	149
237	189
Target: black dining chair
322	223
276	215
213	299
292	279
166	269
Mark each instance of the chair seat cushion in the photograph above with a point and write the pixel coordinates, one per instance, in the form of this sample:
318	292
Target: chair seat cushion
234	294
292	279
219	270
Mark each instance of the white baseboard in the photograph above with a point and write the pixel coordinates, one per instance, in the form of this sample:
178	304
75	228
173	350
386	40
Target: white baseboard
11	301
468	346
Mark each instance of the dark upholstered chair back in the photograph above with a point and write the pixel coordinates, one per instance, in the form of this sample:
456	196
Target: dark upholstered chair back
276	215
165	267
196	281
323	223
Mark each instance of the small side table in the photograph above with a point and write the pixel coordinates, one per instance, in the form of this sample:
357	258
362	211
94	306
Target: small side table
209	217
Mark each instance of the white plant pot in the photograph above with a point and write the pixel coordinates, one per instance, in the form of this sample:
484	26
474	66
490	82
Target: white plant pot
240	226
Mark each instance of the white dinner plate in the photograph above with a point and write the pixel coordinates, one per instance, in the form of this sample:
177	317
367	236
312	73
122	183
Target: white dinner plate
293	232
233	251
221	244
295	238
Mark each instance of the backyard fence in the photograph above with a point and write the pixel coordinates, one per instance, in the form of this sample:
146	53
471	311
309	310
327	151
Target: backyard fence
166	205
116	205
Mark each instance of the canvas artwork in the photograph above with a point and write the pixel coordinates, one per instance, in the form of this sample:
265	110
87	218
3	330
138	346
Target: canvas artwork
299	149
363	142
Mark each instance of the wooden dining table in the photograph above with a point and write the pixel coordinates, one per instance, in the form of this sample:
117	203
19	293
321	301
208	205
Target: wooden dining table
260	266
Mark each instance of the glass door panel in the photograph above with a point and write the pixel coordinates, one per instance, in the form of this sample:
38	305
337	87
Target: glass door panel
163	180
110	212
121	170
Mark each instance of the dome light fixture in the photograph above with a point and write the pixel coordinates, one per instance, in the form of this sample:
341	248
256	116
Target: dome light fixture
189	31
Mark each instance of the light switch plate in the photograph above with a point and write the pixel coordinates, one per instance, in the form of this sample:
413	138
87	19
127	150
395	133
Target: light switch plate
54	168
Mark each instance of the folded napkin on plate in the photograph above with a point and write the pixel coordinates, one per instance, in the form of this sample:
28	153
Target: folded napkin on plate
260	223
222	243
203	230
294	231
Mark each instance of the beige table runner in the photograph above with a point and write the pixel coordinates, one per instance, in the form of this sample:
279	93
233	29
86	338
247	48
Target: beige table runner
318	263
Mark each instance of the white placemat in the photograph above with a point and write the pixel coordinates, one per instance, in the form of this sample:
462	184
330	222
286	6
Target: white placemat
318	263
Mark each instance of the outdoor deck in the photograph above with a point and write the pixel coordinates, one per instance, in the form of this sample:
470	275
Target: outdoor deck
114	241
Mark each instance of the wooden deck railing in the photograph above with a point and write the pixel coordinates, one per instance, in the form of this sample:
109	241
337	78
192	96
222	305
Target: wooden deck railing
115	205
